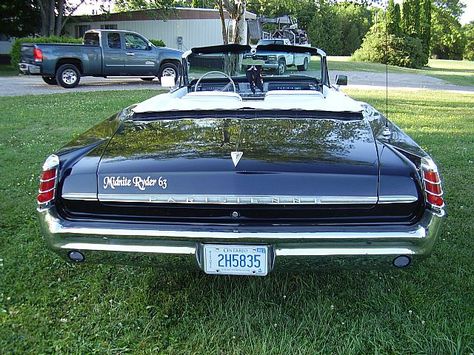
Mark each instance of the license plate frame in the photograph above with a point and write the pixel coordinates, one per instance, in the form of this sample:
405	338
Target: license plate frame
223	259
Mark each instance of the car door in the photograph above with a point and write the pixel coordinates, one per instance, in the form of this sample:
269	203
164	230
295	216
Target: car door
140	58
114	63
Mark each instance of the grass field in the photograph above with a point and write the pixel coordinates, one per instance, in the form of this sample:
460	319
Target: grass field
8	70
458	72
49	306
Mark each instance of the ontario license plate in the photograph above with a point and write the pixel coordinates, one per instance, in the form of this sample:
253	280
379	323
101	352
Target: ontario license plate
236	259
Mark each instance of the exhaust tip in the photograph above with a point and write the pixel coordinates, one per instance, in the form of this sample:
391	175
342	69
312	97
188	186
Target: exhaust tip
401	261
76	256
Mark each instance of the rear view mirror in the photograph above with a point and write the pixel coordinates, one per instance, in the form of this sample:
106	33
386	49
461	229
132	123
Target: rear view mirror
341	79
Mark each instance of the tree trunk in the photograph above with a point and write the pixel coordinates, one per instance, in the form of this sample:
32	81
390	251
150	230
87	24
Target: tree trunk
51	17
44	25
225	38
59	18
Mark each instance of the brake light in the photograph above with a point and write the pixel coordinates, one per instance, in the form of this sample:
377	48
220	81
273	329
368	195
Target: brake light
47	187
432	182
37	54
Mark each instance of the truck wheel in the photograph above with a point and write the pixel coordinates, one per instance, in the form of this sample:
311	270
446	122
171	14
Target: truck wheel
50	80
68	76
168	69
303	67
281	67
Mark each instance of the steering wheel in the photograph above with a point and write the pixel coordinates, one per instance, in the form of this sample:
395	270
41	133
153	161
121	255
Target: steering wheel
216	72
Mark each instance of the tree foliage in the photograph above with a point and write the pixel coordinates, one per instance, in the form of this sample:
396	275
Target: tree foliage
447	35
339	28
454	7
19	18
382	47
393	18
469	36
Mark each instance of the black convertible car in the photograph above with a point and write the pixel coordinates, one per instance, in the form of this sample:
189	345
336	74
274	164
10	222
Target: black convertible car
238	170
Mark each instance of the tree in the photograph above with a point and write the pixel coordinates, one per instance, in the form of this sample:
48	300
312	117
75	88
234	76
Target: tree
447	40
393	23
453	7
19	18
469	35
406	16
55	13
411	17
425	26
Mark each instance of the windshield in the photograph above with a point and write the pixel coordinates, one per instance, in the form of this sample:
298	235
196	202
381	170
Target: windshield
271	41
261	63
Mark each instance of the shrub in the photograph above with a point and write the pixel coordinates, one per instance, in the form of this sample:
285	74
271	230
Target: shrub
402	51
158	42
469	48
15	53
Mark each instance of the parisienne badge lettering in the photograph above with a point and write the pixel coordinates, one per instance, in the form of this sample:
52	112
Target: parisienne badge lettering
136	181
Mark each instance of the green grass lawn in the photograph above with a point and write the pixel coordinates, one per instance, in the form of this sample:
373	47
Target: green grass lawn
8	70
50	306
456	72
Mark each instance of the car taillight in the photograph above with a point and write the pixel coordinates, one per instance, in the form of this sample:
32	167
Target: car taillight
432	182
47	187
37	55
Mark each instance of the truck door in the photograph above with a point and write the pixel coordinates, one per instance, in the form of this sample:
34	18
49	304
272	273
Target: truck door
114	63
140	58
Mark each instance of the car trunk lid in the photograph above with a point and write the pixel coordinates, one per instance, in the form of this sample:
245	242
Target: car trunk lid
283	161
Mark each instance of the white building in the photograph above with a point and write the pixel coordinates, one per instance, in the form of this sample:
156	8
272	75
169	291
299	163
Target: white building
180	28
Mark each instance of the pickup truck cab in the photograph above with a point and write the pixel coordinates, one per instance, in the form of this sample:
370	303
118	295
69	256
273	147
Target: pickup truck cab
279	62
103	53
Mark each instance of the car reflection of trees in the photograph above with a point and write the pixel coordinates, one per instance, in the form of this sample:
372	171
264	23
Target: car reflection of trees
263	139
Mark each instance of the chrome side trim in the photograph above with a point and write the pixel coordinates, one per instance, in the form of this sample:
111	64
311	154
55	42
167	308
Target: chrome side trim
397	199
237	199
82	196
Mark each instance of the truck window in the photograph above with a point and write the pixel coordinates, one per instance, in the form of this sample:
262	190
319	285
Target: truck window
113	40
133	41
91	39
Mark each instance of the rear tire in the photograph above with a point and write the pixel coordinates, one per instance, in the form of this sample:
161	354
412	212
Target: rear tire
50	80
168	69
303	67
281	67
68	76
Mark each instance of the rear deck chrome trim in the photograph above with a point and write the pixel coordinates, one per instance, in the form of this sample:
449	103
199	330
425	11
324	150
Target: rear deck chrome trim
240	199
237	199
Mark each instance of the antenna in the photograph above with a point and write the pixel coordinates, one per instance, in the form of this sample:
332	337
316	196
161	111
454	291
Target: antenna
386	64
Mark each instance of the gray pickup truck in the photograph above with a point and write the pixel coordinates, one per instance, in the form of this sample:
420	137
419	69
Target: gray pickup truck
104	53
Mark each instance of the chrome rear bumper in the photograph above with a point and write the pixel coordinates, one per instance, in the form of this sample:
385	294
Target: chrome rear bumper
26	68
311	246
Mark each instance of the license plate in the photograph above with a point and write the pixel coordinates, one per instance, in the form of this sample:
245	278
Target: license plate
236	259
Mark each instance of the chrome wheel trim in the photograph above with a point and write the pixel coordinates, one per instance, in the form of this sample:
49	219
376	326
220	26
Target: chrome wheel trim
69	76
169	72
281	68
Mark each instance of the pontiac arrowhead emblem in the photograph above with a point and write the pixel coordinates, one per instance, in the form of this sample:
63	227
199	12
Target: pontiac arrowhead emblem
236	157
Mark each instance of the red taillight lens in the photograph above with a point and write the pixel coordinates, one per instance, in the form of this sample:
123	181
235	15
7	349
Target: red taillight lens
37	55
47	185
44	197
432	182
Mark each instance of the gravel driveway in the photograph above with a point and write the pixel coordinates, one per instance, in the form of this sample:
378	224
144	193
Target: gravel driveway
34	85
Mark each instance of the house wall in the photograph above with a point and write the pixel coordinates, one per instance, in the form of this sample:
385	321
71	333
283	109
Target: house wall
6	46
194	32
